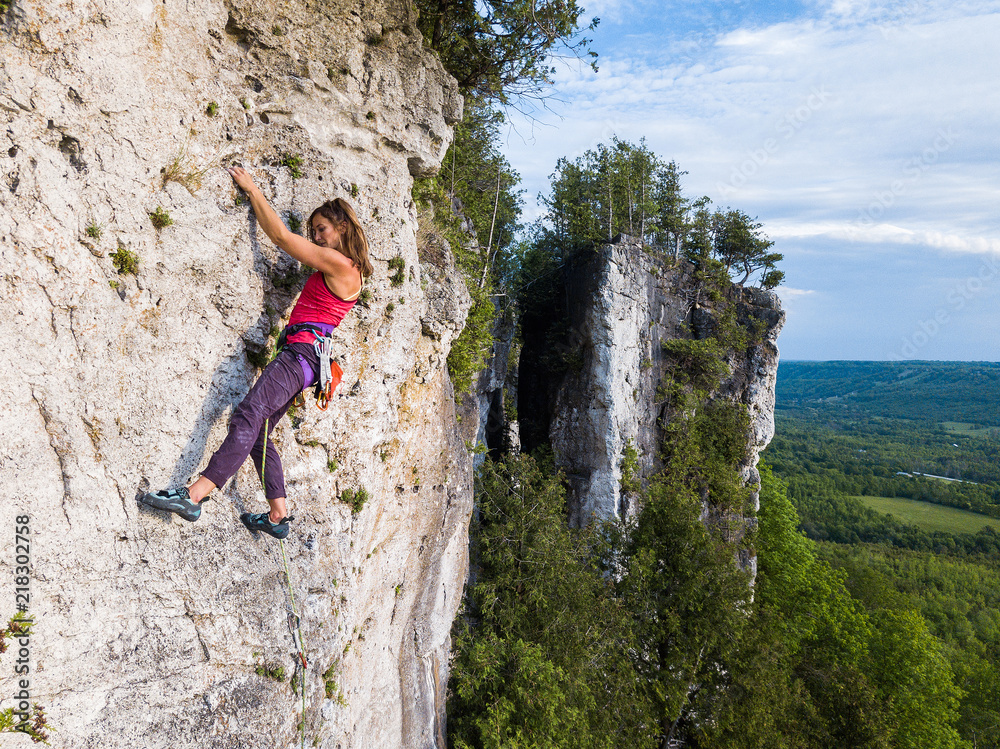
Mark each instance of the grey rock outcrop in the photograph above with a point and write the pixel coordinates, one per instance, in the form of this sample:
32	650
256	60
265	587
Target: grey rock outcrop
151	631
496	391
624	303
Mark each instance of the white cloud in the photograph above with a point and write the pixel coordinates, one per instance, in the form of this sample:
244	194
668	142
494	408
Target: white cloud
787	293
900	15
609	11
780	40
884	234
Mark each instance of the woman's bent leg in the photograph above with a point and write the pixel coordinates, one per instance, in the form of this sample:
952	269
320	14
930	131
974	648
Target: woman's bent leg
278	384
270	470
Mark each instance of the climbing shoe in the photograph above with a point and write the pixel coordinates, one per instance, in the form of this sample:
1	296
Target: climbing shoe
261	522
174	500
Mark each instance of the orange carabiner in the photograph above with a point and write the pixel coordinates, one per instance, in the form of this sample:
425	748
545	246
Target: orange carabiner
323	398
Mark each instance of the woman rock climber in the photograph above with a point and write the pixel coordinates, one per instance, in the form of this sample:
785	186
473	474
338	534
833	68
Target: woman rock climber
339	253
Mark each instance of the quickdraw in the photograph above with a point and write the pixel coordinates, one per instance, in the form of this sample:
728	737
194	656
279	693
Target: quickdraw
330	373
294	620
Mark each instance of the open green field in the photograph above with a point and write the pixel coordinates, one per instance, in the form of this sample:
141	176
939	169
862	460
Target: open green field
969	430
929	516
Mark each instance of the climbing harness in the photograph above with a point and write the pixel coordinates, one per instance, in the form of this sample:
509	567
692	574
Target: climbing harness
330	373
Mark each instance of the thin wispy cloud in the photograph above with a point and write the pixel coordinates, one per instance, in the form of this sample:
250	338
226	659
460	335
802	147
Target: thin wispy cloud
787	293
884	234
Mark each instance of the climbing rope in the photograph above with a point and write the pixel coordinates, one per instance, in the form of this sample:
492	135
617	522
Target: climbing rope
297	631
330	374
297	637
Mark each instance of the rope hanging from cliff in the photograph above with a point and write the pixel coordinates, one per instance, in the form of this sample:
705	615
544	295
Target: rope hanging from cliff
297	631
323	352
329	377
299	641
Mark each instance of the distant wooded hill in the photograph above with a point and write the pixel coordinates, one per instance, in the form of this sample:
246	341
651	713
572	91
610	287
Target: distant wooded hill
939	391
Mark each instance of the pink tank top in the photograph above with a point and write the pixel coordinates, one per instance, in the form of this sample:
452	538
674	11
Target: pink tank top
317	304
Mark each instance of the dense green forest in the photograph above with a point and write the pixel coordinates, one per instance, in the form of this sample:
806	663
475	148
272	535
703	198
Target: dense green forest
646	633
867	429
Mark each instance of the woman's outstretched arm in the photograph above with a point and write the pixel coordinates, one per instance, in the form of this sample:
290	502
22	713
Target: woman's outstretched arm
325	259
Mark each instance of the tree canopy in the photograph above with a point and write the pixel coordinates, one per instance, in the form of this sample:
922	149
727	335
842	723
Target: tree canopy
502	50
625	188
476	176
739	243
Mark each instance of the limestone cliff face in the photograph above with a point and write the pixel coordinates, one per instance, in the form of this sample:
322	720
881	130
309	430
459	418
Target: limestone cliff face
622	303
149	629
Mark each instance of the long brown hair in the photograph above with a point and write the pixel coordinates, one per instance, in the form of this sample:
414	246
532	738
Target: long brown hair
353	241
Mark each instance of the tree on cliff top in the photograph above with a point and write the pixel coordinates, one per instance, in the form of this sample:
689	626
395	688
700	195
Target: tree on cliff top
500	50
625	188
740	243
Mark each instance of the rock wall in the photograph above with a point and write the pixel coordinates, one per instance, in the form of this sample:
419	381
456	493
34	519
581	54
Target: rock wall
496	390
150	631
622	303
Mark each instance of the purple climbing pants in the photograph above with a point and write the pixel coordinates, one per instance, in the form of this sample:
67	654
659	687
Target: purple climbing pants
268	400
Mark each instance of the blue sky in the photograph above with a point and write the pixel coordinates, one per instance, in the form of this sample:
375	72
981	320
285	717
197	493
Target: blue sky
865	136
